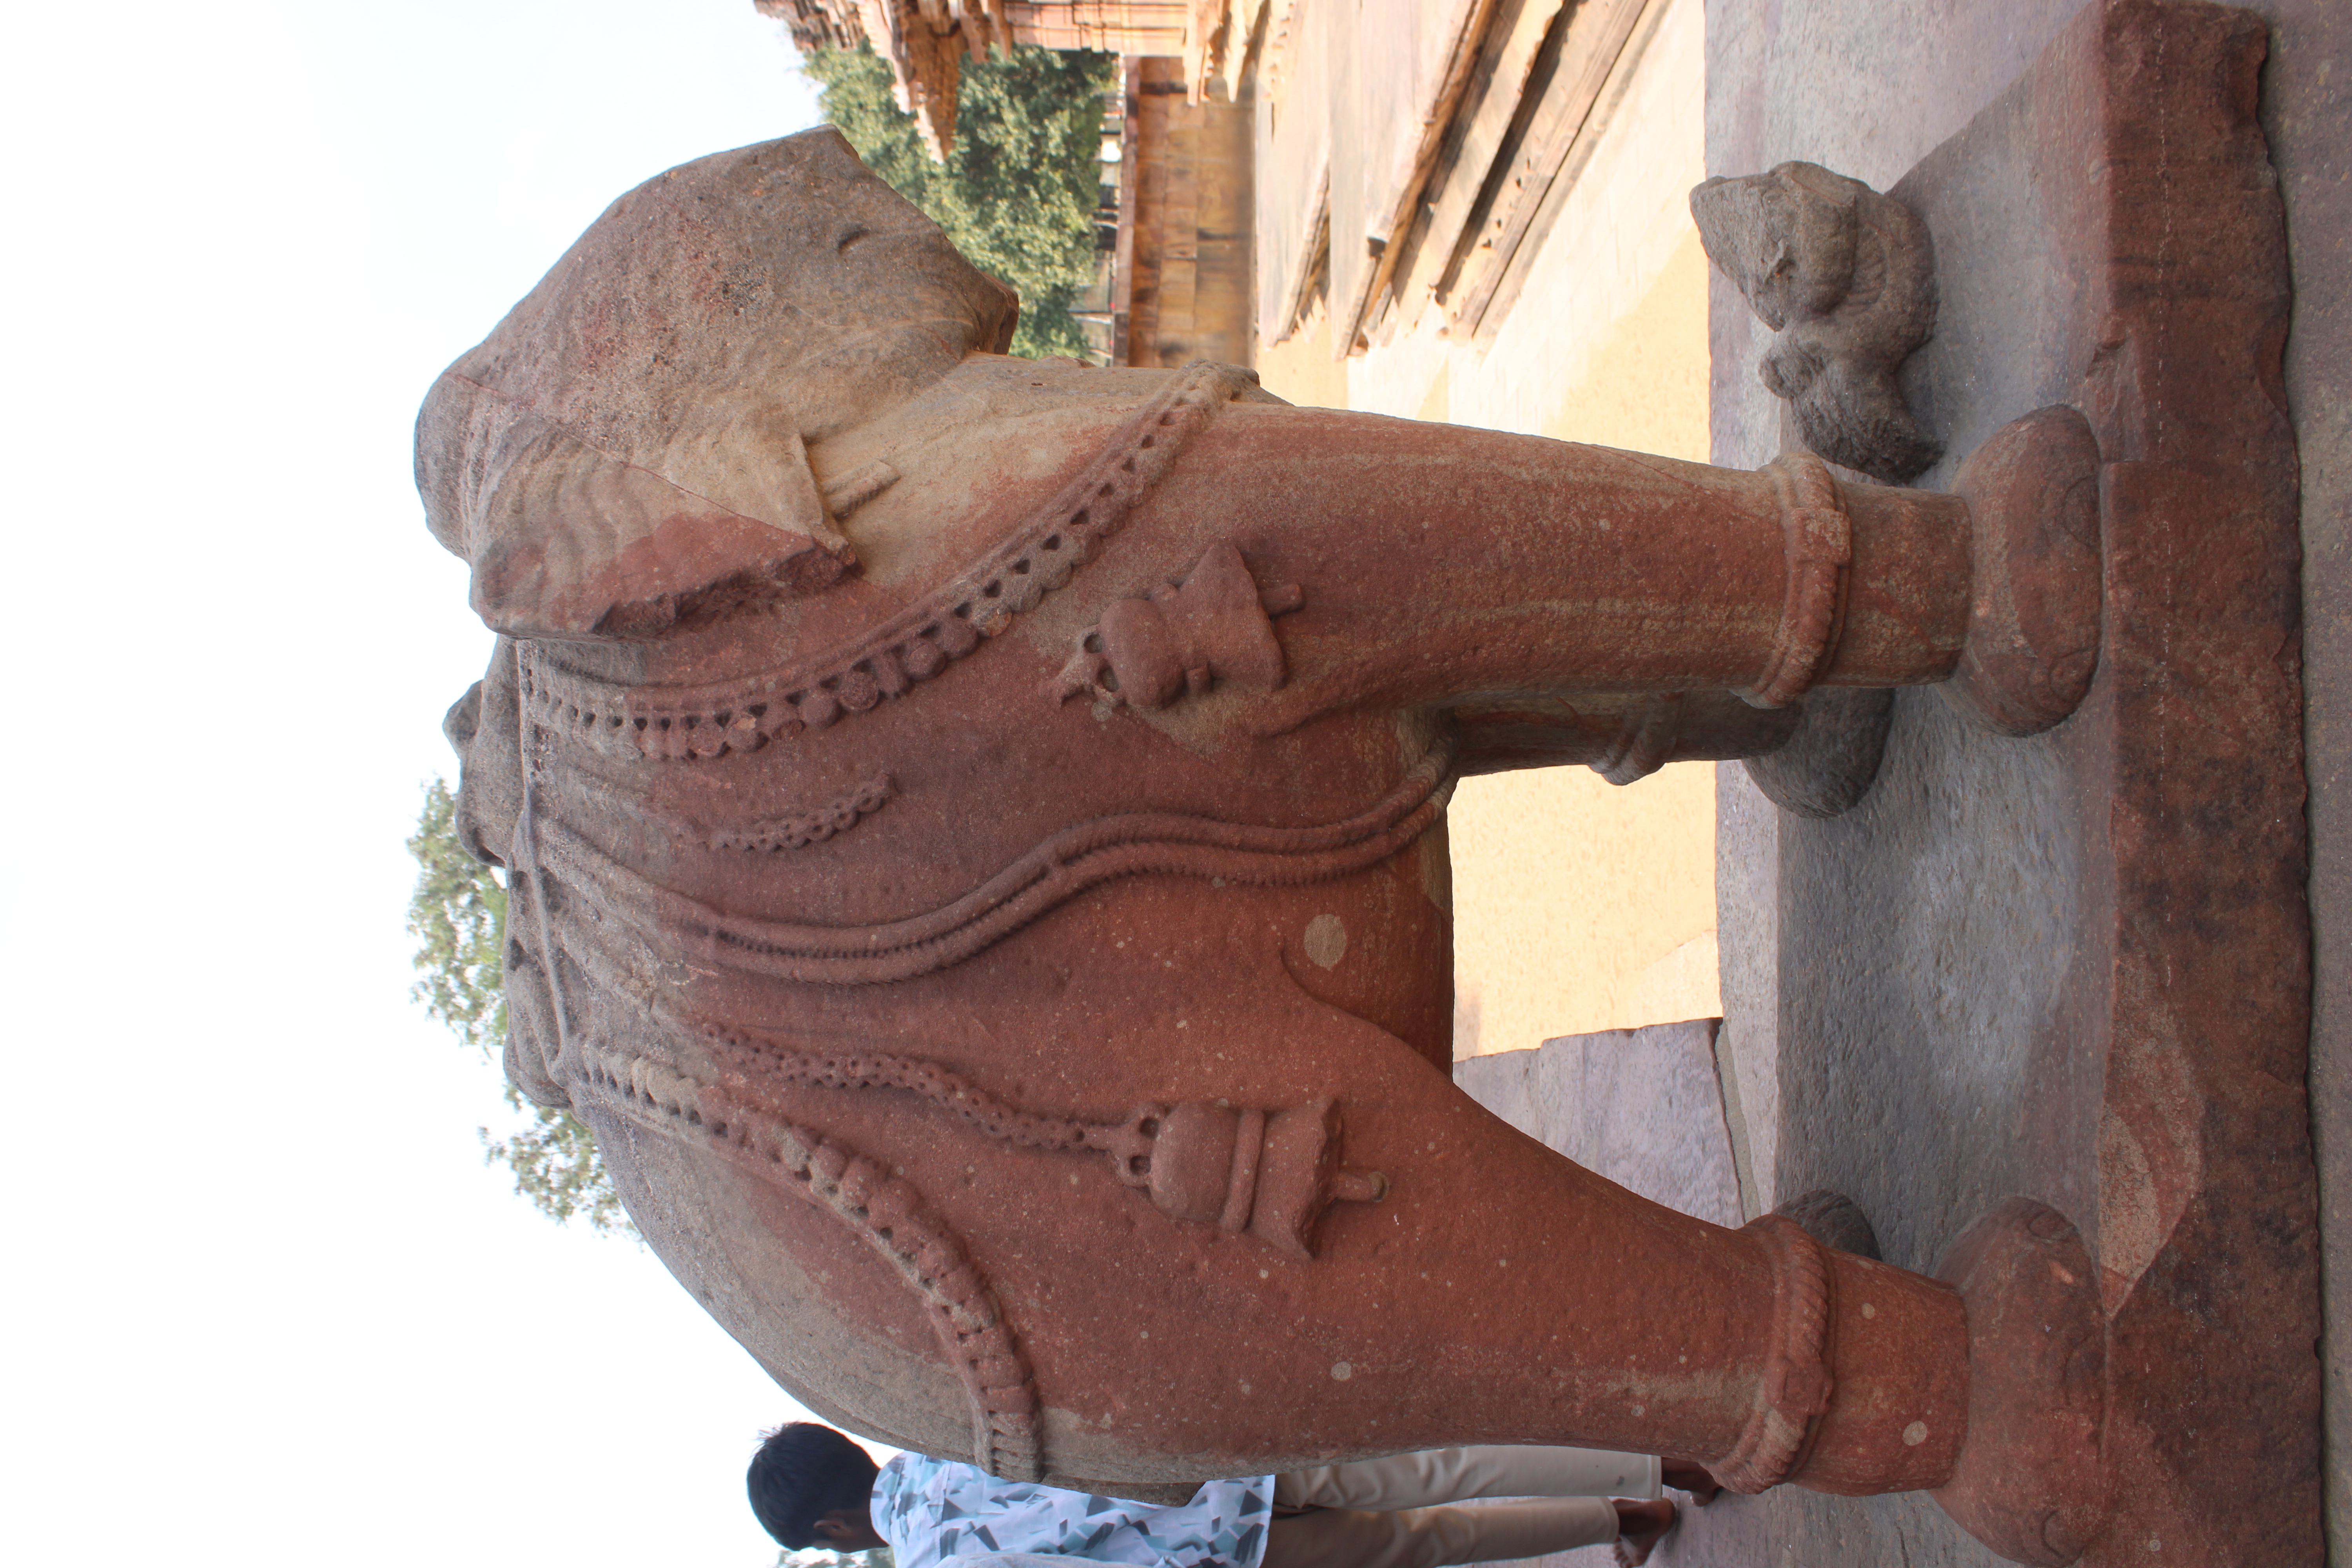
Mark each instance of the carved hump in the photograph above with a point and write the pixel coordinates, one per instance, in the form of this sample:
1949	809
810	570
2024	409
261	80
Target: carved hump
883	1211
744	713
1065	865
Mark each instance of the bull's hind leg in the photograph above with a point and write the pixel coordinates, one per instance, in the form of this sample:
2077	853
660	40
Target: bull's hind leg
1479	1288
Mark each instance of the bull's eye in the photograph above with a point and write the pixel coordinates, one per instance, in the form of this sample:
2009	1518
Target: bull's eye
851	236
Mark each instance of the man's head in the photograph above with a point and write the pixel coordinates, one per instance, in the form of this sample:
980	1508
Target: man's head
628	448
812	1486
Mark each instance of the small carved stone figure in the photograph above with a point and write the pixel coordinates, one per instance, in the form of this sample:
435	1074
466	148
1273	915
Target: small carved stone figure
975	831
1846	278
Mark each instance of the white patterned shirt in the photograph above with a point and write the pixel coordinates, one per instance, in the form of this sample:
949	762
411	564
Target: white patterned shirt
931	1510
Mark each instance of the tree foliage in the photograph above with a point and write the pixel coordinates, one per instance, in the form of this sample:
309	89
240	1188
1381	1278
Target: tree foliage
554	1162
1018	191
458	916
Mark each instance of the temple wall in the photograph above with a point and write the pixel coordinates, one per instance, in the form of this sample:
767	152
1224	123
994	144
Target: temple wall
1189	295
1579	906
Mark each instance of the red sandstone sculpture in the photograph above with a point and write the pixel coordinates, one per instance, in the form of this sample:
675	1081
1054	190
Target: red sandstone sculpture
977	847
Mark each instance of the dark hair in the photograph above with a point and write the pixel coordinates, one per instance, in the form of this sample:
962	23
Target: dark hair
803	1472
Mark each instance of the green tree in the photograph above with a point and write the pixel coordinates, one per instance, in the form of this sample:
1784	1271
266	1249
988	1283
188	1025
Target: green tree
1018	191
458	918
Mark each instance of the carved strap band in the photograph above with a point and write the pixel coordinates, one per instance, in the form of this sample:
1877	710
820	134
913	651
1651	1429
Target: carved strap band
1796	1384
1068	863
884	1211
772	1061
1821	551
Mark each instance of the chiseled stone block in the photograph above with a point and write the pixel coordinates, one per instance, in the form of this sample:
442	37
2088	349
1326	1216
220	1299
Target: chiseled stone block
1641	1107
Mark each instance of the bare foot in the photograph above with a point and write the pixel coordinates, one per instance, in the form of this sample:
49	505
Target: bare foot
1685	1477
1640	1527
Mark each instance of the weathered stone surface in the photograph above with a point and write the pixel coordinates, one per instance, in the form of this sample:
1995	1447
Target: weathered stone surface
1643	1108
1832	759
2032	490
615	461
2034	1486
1648	1109
1846	280
2307	118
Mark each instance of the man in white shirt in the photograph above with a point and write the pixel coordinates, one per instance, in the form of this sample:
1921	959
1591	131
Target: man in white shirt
811	1485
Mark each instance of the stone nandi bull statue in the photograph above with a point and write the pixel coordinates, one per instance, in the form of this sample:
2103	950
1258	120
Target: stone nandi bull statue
976	831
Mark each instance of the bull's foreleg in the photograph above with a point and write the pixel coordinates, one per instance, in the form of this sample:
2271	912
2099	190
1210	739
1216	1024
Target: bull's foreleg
1448	567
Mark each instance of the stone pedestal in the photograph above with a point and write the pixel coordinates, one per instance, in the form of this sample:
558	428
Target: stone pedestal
2075	966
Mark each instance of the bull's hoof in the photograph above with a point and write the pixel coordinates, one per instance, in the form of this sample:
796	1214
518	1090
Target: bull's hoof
2029	1482
2032	643
1833	1219
1830	761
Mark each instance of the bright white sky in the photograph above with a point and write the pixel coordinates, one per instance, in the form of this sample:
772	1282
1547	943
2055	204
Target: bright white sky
264	1304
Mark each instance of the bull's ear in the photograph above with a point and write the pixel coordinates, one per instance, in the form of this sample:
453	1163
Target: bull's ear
484	727
574	540
534	1043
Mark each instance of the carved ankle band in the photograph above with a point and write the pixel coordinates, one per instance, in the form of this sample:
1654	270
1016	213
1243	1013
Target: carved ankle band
1820	554
1796	1385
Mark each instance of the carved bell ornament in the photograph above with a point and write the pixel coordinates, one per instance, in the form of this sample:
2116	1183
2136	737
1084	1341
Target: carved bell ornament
1271	1175
1182	639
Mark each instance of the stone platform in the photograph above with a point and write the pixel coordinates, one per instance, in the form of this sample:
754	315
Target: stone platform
2076	966
2073	966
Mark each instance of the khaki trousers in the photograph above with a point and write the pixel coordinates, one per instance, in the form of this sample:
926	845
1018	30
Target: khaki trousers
1391	1512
